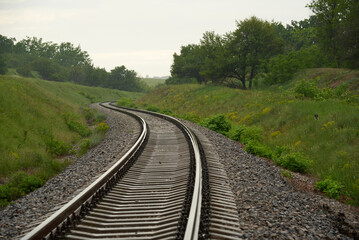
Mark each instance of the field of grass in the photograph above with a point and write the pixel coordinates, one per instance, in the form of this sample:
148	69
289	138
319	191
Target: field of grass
153	82
39	121
287	119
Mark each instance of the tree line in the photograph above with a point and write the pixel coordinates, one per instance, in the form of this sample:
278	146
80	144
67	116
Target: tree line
62	62
269	52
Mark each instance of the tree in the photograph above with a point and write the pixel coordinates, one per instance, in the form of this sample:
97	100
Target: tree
187	65
127	80
215	58
253	42
330	16
350	34
3	68
6	44
96	76
67	55
46	68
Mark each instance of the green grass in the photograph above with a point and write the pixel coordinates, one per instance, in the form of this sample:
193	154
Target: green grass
330	144
40	120
153	82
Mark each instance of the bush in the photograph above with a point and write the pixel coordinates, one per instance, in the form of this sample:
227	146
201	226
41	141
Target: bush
258	149
56	147
102	127
99	117
26	183
306	89
330	187
279	151
294	161
153	108
246	134
76	126
191	117
84	146
218	123
19	185
126	102
167	112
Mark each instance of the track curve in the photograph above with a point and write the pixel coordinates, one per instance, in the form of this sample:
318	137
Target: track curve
158	191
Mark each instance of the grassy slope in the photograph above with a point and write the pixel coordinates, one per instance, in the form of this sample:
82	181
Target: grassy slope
332	141
30	110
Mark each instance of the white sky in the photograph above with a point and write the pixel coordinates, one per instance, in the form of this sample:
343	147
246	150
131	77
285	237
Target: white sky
140	34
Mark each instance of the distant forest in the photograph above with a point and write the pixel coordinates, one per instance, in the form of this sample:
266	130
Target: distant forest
269	53
62	62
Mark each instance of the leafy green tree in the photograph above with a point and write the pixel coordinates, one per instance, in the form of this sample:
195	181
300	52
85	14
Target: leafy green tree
350	34
3	68
253	42
282	67
6	44
77	74
36	46
338	30
302	33
96	76
124	79
46	68
214	66
329	14
188	64
68	55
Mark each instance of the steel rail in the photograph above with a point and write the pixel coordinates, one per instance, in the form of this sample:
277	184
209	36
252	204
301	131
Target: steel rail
194	217
67	212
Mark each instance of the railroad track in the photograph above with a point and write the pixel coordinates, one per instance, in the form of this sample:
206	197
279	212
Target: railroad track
167	186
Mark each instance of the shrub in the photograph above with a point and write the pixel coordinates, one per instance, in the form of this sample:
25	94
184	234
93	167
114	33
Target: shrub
246	134
99	117
93	115
56	147
102	127
89	114
306	89
26	183
167	112
126	102
294	161
76	126
279	151
218	123
191	117
153	108
19	185
84	146
330	187
258	149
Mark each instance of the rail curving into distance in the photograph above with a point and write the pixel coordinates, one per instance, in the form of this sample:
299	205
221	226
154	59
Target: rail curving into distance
71	212
194	215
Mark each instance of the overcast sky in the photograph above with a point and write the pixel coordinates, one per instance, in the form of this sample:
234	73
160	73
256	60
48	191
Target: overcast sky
140	34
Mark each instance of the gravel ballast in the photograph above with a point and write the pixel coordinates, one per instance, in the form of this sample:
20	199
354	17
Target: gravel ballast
269	205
